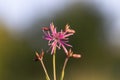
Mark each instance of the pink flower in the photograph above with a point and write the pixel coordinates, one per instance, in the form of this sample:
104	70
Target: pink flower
57	39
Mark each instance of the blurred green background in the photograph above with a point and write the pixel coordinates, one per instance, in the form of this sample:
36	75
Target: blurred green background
100	60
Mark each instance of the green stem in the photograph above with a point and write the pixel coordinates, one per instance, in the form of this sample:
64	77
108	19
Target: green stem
46	73
54	65
63	70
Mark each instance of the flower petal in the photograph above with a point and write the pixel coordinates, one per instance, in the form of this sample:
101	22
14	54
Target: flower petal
64	49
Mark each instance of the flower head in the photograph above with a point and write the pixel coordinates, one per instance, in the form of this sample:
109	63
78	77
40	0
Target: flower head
57	39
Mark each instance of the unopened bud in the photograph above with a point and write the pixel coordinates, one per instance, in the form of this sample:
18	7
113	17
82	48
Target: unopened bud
45	28
39	56
67	29
76	56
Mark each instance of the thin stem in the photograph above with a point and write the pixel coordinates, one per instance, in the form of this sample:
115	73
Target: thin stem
54	65
46	73
63	70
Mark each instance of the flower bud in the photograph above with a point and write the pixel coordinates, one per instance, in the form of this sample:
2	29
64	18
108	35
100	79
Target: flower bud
39	56
45	28
76	56
67	29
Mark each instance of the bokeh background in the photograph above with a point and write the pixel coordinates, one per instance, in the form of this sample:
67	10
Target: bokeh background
97	38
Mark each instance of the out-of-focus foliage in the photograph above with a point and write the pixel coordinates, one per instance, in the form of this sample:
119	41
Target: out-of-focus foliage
16	55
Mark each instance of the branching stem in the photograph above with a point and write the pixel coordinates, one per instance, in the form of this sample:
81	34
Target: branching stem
63	69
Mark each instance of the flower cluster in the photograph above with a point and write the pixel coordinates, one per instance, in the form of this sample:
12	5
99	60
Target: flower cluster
57	40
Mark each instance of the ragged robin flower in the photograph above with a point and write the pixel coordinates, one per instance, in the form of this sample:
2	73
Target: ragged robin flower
57	39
